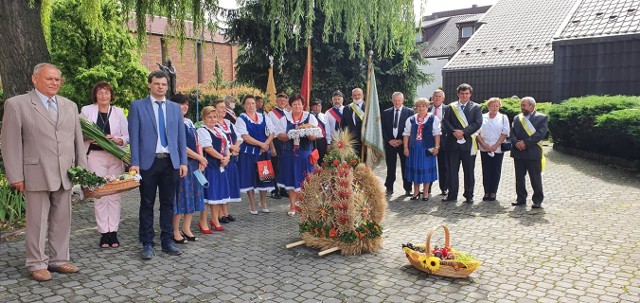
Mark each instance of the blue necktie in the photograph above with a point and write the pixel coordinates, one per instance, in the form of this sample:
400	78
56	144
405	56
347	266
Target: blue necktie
161	127
462	107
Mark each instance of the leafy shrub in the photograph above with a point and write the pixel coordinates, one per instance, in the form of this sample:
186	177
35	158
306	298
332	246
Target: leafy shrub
606	125
511	107
12	208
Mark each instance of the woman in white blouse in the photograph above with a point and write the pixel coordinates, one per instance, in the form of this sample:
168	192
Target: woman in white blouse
494	131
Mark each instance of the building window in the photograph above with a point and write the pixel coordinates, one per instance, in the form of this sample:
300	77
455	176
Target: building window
163	50
200	62
466	32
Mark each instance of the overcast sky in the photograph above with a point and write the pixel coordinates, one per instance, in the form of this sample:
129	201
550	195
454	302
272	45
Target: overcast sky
431	5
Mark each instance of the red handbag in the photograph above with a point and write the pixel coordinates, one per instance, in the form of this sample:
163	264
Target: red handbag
314	156
265	171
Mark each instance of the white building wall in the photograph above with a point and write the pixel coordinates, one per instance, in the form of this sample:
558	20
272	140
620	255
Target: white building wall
435	68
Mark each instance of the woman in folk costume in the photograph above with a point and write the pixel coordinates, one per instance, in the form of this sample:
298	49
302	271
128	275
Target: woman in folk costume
226	127
113	123
189	198
295	164
216	149
421	146
256	132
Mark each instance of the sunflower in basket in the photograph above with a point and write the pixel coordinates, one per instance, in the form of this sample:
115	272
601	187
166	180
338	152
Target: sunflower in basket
430	263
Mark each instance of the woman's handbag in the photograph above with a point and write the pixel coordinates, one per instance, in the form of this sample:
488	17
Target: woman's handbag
314	156
265	170
506	145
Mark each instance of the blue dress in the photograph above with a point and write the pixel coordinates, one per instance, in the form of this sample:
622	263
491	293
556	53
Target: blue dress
421	168
218	190
250	155
294	164
233	174
190	195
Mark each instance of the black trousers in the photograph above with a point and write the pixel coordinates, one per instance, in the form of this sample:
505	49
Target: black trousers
275	161
321	145
164	178
455	157
491	171
534	168
391	155
443	172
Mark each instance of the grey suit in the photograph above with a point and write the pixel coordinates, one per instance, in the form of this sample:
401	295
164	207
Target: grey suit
461	153
38	151
529	160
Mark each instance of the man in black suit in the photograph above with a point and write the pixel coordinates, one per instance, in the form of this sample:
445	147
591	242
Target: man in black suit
528	129
438	108
352	117
461	122
393	122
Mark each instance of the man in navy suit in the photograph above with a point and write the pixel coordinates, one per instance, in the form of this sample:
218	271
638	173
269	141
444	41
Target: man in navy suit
461	122
438	108
352	117
158	152
393	122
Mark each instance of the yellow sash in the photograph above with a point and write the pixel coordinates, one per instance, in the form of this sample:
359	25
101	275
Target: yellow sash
358	111
463	121
529	131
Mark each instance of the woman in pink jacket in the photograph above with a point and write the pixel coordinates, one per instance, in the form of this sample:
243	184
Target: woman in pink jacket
112	121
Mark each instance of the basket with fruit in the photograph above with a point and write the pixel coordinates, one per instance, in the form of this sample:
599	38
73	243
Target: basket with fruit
440	261
94	186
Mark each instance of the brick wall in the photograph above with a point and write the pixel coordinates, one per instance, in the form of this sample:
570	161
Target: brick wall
186	65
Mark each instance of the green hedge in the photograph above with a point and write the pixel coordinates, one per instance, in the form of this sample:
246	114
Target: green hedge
608	125
511	107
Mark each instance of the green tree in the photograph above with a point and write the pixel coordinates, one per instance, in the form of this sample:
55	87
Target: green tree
334	66
86	55
390	22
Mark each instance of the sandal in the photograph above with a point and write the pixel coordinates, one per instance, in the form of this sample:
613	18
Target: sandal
114	239
105	240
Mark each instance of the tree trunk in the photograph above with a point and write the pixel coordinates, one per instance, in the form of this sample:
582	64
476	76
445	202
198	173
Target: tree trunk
22	45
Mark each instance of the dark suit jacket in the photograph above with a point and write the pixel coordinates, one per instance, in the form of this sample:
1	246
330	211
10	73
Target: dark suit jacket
533	151
347	123
387	122
143	134
443	137
473	112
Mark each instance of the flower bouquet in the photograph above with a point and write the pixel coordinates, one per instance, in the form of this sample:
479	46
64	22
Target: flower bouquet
94	186
92	132
440	261
304	130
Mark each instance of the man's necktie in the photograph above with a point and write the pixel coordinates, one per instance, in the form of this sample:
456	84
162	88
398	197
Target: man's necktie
395	119
161	127
462	107
53	111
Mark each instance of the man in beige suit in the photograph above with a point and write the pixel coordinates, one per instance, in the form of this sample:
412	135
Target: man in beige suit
41	139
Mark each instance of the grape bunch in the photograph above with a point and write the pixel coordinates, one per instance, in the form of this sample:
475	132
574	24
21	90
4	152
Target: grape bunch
413	247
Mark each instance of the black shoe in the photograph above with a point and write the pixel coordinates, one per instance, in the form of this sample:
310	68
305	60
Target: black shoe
416	197
181	241
468	200
389	192
486	197
231	218
171	249
275	195
492	197
519	203
408	193
190	239
147	252
536	205
284	193
113	237
426	198
223	220
443	193
449	199
105	240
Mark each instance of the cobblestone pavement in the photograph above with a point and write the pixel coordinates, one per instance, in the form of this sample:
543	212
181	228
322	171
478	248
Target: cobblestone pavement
582	246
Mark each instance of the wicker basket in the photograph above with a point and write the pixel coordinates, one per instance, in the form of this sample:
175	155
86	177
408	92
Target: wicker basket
448	268
110	188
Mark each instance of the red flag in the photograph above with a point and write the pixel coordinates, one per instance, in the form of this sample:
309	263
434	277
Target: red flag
305	90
